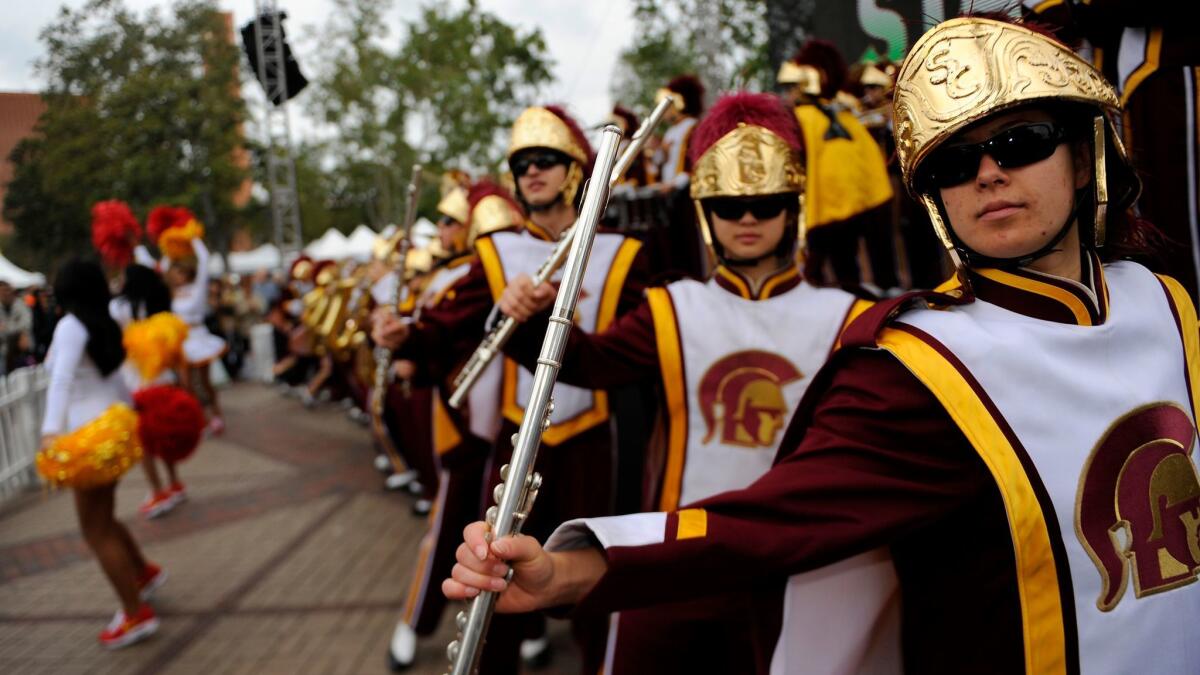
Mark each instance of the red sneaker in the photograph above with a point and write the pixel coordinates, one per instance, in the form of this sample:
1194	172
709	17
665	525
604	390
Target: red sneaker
157	504
124	630
177	492
150	580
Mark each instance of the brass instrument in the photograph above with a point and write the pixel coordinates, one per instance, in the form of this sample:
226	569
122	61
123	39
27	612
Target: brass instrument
400	243
500	334
521	483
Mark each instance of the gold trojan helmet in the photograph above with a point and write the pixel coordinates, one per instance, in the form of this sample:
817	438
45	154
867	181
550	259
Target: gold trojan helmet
967	69
491	210
807	78
454	205
749	160
872	76
539	127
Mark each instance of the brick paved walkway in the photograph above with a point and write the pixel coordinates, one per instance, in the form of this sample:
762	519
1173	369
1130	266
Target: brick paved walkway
289	558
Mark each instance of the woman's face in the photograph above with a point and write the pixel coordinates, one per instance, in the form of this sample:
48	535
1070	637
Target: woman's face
746	236
176	276
1008	213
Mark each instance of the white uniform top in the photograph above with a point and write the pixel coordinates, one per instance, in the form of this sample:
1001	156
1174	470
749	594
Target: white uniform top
191	304
1095	457
78	393
675	142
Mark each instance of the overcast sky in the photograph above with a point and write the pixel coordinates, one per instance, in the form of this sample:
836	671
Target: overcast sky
583	38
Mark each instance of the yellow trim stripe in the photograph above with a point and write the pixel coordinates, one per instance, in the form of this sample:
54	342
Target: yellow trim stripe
693	524
736	281
856	310
772	283
424	559
1037	579
619	271
445	433
1045	5
670	361
1190	334
610	297
1149	65
1082	316
492	267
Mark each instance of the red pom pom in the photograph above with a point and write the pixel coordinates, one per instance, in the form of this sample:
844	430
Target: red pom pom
170	422
115	230
163	218
761	110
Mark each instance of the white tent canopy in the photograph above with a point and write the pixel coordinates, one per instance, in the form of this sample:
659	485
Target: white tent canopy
360	243
265	257
18	277
329	246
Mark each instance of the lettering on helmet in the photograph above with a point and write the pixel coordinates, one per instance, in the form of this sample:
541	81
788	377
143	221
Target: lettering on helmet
741	398
1138	508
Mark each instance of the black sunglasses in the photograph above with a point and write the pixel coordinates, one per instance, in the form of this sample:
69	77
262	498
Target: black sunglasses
542	160
1012	148
762	208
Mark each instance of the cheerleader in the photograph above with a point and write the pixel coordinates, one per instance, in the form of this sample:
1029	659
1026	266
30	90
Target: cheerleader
188	280
145	294
87	399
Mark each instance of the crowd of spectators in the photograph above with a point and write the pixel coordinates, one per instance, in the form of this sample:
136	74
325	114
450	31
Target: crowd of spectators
235	304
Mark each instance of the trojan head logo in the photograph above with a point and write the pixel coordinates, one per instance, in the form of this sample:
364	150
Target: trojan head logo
741	397
1138	509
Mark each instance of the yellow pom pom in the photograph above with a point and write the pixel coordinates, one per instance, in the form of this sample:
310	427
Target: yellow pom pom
176	242
98	453
155	344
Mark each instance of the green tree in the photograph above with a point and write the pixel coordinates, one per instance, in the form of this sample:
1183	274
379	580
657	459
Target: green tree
723	42
445	95
138	108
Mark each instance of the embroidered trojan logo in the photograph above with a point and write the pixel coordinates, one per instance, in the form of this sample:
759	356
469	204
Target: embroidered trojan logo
1138	508
741	397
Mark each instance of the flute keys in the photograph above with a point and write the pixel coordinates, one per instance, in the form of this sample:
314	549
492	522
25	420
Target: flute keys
492	513
504	472
498	493
534	482
452	651
460	621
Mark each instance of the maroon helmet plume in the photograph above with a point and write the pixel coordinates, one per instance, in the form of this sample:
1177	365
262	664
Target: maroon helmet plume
824	56
731	110
692	91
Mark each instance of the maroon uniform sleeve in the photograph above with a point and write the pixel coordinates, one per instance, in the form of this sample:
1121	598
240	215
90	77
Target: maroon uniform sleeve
624	354
450	330
876	458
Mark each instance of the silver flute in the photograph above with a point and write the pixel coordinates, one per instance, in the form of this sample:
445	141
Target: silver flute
383	355
516	494
500	334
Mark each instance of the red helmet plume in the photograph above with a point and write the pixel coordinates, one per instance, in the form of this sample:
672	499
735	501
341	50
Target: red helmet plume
576	133
163	218
825	57
731	110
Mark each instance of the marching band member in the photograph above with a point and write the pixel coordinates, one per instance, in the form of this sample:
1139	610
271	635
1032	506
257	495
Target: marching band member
1023	440
674	164
550	159
732	356
847	172
461	440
